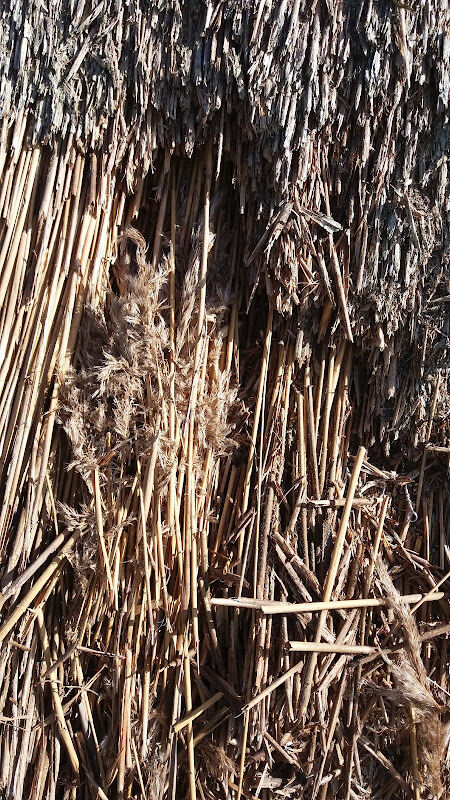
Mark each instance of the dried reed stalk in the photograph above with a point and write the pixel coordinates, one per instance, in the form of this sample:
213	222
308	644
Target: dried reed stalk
223	401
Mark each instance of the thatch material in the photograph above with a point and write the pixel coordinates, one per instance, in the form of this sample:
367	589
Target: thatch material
224	400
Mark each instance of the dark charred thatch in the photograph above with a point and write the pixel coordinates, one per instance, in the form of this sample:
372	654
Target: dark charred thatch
224	400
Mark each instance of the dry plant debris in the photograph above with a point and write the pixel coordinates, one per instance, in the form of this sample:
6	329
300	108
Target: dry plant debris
224	400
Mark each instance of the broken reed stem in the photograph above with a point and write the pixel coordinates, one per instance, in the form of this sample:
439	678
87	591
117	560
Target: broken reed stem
99	520
57	705
277	607
190	732
322	647
197	712
414	755
48	574
191	522
385	762
256	418
432	594
243	752
331	576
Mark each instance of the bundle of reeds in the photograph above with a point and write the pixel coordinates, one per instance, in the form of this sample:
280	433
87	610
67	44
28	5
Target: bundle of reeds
224	405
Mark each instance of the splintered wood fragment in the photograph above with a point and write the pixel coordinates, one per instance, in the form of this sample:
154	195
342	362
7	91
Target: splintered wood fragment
272	231
327	223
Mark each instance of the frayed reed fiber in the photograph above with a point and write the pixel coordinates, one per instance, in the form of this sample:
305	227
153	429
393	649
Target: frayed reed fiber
224	434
